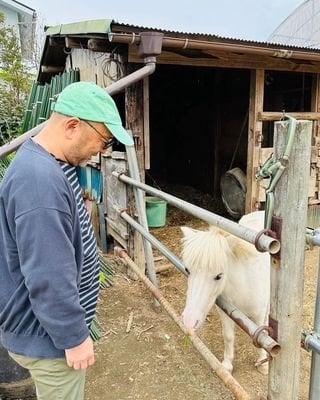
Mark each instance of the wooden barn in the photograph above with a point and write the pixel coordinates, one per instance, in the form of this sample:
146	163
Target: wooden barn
204	118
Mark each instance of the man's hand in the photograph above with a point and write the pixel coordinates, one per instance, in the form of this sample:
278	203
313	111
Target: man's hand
81	356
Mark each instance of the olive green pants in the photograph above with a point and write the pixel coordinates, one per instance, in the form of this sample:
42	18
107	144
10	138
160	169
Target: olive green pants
53	379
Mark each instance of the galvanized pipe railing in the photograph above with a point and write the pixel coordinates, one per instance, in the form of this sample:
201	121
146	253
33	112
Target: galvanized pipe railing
140	205
258	334
155	242
217	367
17	142
134	77
313	343
313	236
261	240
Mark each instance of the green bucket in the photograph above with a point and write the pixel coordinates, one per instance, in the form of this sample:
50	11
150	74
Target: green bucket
156	210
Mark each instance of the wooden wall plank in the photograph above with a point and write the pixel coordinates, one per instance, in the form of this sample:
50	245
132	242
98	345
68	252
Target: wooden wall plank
276	116
254	138
114	195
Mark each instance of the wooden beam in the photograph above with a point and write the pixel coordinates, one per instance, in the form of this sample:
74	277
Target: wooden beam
254	138
223	55
99	45
276	116
56	42
75	43
227	60
163	268
51	69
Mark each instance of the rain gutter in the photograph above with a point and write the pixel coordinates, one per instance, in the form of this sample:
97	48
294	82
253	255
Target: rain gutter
195	44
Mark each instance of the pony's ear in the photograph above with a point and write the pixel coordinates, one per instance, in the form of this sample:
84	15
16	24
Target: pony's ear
188	232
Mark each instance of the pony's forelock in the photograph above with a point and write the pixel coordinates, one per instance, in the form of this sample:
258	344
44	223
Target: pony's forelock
214	249
206	251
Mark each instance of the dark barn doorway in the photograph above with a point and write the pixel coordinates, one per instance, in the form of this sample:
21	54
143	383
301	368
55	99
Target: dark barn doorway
198	129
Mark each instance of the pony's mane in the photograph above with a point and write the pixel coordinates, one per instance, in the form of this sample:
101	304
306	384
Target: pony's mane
241	249
214	249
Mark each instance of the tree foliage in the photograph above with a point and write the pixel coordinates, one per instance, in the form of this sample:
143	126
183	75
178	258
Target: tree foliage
15	83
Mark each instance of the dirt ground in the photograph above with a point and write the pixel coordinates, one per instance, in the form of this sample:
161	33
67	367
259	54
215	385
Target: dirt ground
151	360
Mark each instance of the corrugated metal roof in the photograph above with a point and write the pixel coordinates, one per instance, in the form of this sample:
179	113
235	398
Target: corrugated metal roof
103	26
211	37
243	53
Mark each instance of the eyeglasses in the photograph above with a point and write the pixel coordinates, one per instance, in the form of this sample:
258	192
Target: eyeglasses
107	142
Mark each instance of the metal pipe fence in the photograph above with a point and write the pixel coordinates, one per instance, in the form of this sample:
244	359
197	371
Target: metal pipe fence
314	343
230	382
258	334
259	239
262	338
140	205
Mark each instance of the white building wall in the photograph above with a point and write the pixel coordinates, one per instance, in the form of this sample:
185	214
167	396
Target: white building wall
10	19
23	20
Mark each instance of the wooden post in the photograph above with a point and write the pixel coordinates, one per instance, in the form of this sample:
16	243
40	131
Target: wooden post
217	132
146	122
314	188
315	101
135	122
289	219
315	107
254	138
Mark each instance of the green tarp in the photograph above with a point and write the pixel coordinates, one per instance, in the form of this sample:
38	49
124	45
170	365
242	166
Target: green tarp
82	27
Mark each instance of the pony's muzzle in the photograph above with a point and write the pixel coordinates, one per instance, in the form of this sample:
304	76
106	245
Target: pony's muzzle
190	323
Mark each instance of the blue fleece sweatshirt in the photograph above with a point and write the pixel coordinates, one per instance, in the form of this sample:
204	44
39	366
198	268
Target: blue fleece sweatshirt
40	258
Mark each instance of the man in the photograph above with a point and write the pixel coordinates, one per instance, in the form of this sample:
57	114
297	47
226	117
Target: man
48	258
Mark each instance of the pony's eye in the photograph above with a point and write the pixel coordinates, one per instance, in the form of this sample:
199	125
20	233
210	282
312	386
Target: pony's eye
218	277
187	271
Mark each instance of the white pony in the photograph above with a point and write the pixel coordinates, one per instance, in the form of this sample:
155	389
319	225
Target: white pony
220	263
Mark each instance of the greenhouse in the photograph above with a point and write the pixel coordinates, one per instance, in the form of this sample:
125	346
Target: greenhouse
301	27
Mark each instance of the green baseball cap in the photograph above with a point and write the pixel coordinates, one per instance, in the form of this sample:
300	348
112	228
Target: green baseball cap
90	102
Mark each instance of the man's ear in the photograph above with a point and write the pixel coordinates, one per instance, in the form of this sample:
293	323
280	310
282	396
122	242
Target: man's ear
71	125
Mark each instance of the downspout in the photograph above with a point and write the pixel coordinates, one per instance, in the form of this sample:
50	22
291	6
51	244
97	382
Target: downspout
150	46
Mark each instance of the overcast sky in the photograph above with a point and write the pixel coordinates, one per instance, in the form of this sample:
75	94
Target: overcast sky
243	19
